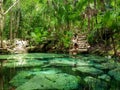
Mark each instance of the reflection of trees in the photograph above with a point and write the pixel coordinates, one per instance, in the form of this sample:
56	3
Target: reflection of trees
1	81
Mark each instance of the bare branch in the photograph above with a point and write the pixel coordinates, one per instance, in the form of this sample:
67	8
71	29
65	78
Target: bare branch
11	7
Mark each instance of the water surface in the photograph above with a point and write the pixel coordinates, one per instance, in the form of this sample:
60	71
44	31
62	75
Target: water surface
90	70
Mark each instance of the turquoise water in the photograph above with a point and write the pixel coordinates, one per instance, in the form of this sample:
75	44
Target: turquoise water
36	71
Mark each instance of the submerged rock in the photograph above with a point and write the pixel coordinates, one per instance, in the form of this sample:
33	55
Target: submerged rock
51	81
94	58
105	77
88	70
80	63
115	73
21	78
70	62
106	66
95	84
52	71
22	63
25	76
62	63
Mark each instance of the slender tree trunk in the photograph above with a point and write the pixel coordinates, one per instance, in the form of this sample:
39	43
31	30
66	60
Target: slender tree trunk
95	2
1	22
17	21
14	24
102	5
88	14
114	48
11	26
88	23
75	2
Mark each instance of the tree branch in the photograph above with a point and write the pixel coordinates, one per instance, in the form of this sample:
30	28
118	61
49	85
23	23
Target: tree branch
10	7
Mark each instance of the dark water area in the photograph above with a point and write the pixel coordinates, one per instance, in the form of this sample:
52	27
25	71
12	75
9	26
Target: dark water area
36	71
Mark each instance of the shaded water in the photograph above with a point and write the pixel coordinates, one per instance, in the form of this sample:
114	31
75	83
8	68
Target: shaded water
92	71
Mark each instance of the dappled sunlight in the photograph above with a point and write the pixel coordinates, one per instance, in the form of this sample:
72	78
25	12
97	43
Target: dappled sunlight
20	61
20	46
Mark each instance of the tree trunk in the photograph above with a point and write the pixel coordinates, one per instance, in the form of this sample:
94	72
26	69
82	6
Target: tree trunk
89	23
95	2
114	48
1	23
17	20
88	15
11	24
102	2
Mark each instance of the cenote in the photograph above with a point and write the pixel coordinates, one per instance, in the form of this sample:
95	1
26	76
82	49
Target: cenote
59	45
36	71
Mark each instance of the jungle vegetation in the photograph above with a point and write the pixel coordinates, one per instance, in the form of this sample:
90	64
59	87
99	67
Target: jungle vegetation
52	23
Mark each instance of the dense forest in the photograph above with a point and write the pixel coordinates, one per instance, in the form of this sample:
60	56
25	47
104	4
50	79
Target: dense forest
49	25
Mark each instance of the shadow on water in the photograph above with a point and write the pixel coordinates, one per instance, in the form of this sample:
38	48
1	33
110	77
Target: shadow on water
1	79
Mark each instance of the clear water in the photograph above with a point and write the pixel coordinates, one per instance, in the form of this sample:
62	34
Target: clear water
39	63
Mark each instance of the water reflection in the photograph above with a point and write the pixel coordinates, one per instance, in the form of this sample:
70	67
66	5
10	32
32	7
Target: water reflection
1	75
1	82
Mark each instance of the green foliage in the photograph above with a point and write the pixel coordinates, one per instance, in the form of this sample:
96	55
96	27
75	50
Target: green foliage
66	38
41	20
39	35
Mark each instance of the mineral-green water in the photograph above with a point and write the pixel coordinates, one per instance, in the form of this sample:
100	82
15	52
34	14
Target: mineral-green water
36	71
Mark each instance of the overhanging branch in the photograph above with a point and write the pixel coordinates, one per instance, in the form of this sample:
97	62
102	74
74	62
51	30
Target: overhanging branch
11	7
